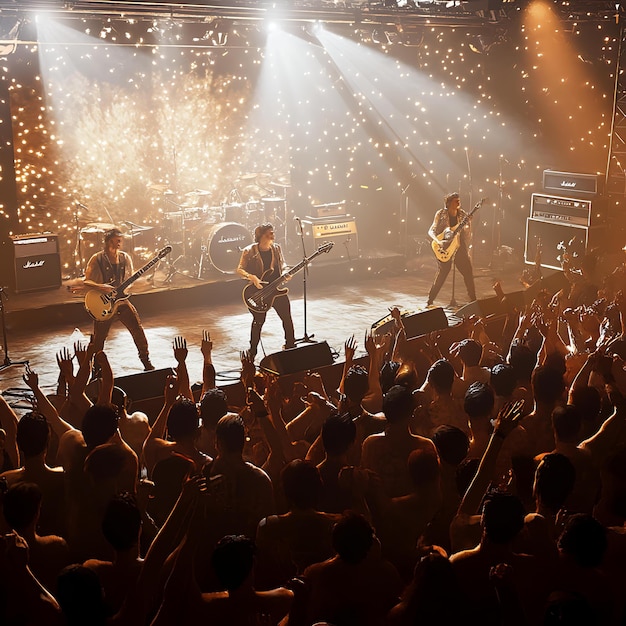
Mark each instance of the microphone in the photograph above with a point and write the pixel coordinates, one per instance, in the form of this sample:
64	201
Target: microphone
295	217
81	205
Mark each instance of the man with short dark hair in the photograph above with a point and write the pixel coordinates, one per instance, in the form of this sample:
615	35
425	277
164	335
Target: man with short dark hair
33	435
387	453
262	263
356	586
105	271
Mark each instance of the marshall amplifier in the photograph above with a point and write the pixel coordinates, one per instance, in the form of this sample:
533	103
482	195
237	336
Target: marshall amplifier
37	262
341	230
576	184
561	210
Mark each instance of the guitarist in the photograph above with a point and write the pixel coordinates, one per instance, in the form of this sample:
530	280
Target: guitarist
445	220
264	260
106	270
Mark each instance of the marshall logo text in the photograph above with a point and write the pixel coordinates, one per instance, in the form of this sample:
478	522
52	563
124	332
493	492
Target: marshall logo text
30	264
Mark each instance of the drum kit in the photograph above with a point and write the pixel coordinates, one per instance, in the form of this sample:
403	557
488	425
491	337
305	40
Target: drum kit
206	235
203	236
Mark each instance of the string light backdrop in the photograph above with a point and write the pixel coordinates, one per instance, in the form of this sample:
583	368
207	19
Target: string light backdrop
110	112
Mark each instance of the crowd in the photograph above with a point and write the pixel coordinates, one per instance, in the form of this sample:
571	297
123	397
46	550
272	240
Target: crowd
476	475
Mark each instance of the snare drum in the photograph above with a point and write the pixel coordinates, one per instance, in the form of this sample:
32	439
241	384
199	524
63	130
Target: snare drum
223	243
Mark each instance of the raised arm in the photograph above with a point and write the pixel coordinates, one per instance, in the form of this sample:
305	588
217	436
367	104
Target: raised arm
373	401
77	390
8	421
507	420
208	369
180	354
137	604
58	425
106	379
349	348
612	433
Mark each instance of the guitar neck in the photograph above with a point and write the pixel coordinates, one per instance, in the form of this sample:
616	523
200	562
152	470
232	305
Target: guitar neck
296	268
139	273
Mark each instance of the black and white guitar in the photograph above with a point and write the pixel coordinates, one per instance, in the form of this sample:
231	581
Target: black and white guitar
261	300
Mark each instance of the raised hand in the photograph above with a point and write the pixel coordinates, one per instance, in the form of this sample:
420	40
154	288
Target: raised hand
248	368
394	311
180	349
207	345
370	342
31	378
313	382
193	488
80	352
350	348
508	418
171	389
255	401
64	361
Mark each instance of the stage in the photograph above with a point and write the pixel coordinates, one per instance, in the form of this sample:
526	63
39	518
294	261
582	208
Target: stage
343	299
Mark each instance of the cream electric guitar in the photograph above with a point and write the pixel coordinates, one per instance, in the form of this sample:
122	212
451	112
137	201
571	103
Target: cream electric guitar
102	306
449	240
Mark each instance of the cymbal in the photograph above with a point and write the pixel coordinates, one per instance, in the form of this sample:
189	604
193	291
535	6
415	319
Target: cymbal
283	185
252	175
137	228
272	199
198	192
160	188
97	227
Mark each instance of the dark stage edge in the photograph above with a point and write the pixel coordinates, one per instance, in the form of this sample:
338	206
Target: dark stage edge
60	307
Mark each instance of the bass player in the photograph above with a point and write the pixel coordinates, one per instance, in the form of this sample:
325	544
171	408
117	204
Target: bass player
261	263
106	270
445	221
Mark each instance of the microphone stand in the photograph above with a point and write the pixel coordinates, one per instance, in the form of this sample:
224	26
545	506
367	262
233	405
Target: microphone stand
7	361
306	338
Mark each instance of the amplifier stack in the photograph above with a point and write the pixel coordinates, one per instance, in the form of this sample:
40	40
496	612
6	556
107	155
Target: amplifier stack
574	218
36	262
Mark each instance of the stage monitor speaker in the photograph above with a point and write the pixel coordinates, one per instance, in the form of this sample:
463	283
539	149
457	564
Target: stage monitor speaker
139	386
493	305
307	357
415	324
552	283
37	262
144	384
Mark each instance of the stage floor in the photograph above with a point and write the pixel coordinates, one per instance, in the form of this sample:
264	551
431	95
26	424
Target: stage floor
341	301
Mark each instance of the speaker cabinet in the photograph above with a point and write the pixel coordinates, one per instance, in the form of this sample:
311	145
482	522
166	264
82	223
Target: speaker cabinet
307	357
415	324
36	262
493	305
578	239
144	391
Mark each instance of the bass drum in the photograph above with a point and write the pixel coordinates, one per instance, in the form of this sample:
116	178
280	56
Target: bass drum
222	244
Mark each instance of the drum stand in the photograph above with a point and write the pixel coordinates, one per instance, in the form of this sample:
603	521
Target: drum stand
7	361
306	338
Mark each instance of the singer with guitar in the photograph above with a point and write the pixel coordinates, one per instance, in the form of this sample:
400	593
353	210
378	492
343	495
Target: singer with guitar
105	271
261	263
450	231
